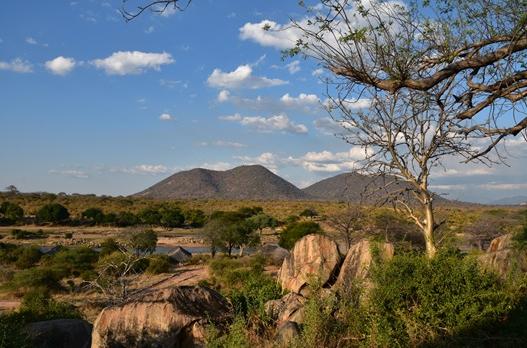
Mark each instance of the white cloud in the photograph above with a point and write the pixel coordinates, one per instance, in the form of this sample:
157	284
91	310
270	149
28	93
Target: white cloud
217	166
150	30
270	34
223	95
60	65
241	77
31	41
293	67
504	186
465	171
79	174
266	159
268	124
17	65
166	117
132	62
302	100
223	143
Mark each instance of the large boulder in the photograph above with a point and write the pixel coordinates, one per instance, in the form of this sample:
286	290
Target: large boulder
60	333
274	253
314	255
502	257
172	317
356	265
288	308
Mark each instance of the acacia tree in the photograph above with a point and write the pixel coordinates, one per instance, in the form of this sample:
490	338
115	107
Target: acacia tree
348	224
405	136
476	47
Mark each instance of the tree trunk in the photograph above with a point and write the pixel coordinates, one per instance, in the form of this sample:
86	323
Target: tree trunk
241	250
429	230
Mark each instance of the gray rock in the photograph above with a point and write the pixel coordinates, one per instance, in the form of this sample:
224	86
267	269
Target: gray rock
60	333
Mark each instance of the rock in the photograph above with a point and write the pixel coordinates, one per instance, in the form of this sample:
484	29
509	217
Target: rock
275	253
356	265
313	255
501	256
286	333
180	255
288	308
171	317
60	333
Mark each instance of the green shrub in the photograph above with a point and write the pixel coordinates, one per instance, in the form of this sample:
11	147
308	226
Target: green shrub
416	300
22	234
195	218
72	261
37	305
158	264
108	246
243	281
295	231
27	257
10	213
53	212
38	277
12	331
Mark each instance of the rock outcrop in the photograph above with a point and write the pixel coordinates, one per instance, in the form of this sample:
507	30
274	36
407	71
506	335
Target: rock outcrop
502	257
356	265
172	317
288	308
60	333
312	256
286	333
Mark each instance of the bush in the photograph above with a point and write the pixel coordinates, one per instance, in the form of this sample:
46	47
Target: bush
37	305
53	212
243	281
295	231
416	300
158	264
12	332
94	215
10	213
39	277
144	242
72	261
108	246
23	234
27	257
195	218
172	217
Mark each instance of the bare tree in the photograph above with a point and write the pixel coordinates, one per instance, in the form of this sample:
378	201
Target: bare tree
477	47
348	224
404	136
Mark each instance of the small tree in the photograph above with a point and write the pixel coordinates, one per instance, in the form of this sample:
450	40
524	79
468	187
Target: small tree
348	224
95	215
53	212
172	217
11	212
195	218
309	213
261	221
143	243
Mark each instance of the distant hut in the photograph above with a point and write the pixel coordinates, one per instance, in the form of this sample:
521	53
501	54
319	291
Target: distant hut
180	255
51	251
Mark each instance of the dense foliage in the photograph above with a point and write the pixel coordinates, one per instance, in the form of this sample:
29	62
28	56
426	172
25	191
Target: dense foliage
297	230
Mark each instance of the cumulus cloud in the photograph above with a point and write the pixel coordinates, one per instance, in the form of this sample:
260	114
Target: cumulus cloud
166	117
17	65
217	166
132	62
266	159
31	41
270	34
241	77
268	124
317	72
60	65
301	101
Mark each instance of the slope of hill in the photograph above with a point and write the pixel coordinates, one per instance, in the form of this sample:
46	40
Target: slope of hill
514	200
358	188
252	182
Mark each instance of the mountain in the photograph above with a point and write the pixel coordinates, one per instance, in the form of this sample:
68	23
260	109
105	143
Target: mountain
514	200
349	187
252	182
358	188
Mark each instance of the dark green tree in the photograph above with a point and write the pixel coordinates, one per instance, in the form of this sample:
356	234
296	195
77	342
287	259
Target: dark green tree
53	212
95	215
144	242
10	212
295	231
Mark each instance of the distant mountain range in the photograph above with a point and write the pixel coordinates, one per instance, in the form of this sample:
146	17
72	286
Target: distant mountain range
255	182
514	200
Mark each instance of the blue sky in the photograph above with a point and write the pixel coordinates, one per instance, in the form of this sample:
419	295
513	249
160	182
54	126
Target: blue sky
91	104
